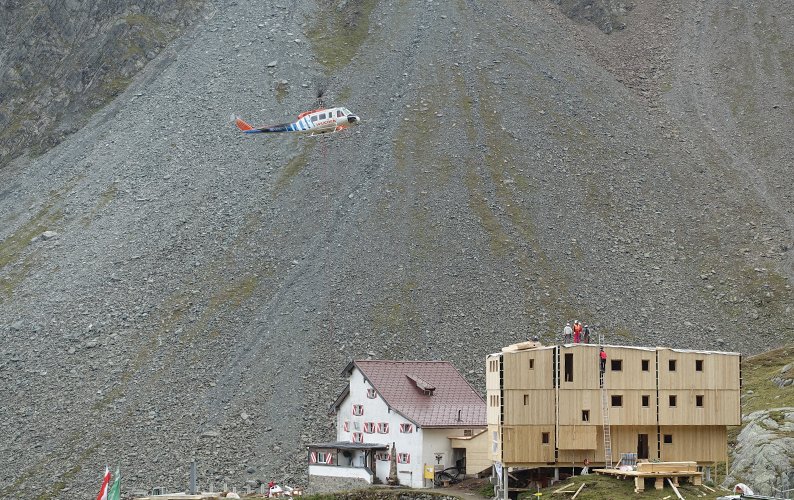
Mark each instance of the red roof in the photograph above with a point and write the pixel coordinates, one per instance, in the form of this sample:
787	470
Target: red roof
429	393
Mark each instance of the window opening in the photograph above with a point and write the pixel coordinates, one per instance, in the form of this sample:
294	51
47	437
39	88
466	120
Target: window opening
699	401
646	400
668	439
585	415
617	365
358	437
314	118
569	367
544	437
383	428
369	427
673	400
698	365
617	400
403	458
671	365
358	410
526	399
406	428
646	365
371	393
531	364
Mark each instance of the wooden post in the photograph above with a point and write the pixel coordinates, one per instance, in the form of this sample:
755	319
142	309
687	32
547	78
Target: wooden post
577	491
504	475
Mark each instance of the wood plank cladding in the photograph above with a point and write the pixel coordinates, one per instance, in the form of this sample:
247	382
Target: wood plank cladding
531	369
692	369
577	437
535	406
664	403
525	443
695	443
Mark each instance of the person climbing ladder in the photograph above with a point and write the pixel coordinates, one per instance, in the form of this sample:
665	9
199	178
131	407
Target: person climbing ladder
603	356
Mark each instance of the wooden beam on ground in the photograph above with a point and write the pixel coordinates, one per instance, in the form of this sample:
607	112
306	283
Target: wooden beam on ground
710	489
577	491
675	489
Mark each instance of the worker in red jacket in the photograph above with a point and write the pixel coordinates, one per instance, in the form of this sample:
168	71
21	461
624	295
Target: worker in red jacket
577	331
603	357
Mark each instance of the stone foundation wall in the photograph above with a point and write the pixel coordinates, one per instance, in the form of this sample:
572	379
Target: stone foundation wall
326	484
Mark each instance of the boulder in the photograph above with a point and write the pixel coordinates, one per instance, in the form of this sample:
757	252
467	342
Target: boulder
764	452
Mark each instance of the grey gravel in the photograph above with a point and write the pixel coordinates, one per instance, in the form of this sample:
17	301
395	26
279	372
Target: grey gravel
515	169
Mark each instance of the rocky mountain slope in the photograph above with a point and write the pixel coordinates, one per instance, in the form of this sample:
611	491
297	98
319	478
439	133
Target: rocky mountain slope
171	289
60	61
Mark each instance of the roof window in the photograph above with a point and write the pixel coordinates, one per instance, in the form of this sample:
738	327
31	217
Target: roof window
422	385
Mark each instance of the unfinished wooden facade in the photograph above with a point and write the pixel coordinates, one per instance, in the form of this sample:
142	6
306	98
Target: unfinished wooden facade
545	404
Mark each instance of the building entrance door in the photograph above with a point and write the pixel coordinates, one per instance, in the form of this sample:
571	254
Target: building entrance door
642	446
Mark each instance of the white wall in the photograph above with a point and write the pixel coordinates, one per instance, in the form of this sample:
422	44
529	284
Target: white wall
376	410
333	471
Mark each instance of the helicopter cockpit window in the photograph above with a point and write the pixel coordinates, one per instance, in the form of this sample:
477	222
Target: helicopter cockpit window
345	111
314	118
339	113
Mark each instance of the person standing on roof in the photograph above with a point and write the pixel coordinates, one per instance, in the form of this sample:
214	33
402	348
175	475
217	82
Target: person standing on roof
577	331
567	333
586	335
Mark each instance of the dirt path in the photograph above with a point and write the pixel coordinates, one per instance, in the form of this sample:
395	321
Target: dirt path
468	489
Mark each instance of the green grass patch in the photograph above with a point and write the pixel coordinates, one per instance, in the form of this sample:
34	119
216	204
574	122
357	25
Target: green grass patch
500	241
105	198
377	494
338	30
45	219
108	398
486	490
59	485
757	374
294	167
598	487
396	314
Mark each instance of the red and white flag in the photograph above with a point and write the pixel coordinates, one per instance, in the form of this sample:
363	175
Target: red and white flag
103	492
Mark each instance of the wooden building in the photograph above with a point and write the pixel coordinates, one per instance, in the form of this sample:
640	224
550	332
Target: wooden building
546	406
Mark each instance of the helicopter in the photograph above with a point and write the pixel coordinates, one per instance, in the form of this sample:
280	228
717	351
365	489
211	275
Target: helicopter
317	121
